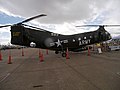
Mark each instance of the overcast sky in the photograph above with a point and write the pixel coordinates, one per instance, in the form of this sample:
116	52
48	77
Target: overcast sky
62	15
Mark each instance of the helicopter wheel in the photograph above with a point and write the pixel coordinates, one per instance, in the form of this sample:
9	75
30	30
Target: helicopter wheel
63	54
56	52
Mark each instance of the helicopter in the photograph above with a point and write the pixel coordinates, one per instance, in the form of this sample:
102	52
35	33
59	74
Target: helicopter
30	36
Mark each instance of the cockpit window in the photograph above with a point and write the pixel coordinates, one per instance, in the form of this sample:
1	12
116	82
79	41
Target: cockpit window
106	33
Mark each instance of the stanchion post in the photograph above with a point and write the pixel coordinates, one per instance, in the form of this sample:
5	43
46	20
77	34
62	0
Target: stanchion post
22	52
9	57
47	51
67	54
88	51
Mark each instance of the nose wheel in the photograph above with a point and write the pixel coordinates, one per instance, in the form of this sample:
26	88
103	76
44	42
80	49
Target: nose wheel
63	54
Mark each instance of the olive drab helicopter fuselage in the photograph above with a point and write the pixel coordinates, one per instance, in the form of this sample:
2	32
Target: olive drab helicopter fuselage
25	35
40	38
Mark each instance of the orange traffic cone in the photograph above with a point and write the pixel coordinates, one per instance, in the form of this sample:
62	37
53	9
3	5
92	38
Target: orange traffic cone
47	51
22	52
9	58
67	54
41	58
0	56
88	51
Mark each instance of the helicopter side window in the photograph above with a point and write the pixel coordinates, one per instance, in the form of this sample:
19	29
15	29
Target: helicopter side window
106	33
51	34
79	39
54	34
90	36
84	37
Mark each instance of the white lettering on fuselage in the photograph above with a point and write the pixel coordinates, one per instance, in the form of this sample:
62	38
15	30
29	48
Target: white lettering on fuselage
52	44
58	43
83	42
65	41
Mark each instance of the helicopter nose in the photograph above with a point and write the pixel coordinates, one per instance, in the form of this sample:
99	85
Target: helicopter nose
108	36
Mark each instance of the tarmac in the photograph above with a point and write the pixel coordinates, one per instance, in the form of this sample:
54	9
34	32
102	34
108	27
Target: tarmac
80	72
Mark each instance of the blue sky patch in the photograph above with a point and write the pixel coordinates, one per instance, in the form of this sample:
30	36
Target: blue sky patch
6	19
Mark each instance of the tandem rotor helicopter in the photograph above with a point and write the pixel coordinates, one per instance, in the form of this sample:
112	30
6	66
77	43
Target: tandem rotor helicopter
30	36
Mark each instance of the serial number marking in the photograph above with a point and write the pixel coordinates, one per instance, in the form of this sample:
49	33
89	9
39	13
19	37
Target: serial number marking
16	34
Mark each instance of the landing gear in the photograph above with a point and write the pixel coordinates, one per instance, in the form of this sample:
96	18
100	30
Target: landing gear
64	54
56	52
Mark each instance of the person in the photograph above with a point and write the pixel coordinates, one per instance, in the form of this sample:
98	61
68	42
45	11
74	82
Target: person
99	48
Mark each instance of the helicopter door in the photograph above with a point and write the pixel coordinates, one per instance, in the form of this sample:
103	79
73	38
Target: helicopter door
95	37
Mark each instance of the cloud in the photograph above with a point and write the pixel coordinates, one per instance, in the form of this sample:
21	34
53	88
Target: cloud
5	35
66	12
58	11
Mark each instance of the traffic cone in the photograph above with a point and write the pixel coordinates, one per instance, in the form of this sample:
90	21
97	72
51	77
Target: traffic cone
41	58
9	58
22	52
67	54
0	56
88	51
47	51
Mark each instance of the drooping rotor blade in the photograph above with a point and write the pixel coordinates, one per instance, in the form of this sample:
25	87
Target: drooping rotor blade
111	25
29	19
5	26
88	25
98	25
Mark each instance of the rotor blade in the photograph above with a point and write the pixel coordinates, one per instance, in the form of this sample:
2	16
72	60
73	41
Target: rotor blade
89	25
5	26
29	19
111	25
98	25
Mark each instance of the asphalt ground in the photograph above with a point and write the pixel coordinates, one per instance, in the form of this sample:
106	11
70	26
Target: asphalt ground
80	72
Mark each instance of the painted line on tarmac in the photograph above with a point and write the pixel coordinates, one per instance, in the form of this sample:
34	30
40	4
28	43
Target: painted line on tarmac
118	73
4	77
